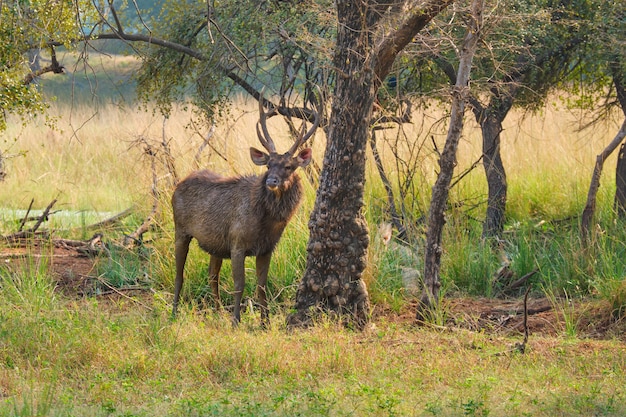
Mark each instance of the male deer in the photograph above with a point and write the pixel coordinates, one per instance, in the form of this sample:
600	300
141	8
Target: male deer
240	216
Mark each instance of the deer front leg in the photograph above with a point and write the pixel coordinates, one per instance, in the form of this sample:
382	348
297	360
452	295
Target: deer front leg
262	268
215	264
238	259
181	250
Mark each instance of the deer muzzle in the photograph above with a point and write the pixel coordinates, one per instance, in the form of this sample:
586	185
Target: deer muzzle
272	182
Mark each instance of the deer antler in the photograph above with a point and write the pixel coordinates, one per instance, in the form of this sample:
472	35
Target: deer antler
265	138
303	137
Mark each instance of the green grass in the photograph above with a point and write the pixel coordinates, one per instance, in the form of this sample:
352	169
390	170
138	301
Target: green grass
98	358
61	355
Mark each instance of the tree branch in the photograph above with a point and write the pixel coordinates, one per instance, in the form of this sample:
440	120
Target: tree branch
54	67
393	44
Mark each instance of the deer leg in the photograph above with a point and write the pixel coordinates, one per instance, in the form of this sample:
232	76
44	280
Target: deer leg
181	250
238	259
215	264
262	268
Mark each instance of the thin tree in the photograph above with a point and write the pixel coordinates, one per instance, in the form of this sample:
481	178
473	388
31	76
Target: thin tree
447	162
606	60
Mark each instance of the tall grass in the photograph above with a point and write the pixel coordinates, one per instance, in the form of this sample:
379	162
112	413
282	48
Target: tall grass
94	357
96	160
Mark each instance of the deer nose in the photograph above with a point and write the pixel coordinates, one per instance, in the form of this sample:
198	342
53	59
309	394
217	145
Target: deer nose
272	182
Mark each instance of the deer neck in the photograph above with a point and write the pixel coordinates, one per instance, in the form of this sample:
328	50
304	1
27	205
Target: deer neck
281	203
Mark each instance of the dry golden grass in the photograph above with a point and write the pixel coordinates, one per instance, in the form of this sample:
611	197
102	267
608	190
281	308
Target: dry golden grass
89	161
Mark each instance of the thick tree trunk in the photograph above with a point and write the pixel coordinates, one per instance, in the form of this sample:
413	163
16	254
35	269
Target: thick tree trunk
338	241
491	127
447	162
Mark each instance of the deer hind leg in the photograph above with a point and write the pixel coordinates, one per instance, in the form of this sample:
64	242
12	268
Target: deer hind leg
262	268
215	264
181	250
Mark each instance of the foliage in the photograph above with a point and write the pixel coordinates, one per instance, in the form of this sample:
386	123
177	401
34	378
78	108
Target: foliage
287	51
25	29
529	46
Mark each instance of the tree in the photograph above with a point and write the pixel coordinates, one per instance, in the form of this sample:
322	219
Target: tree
365	51
447	161
26	29
603	69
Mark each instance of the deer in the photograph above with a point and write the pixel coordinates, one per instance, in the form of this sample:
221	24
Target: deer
241	216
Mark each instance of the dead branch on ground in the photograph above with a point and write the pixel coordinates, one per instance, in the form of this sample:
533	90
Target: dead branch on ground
31	232
91	248
111	220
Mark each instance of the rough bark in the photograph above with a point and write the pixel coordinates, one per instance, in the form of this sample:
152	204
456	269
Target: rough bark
337	248
338	240
447	162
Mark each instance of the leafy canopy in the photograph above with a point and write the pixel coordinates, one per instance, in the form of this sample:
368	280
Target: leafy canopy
26	27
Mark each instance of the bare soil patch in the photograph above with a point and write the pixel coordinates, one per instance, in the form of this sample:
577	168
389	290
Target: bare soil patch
74	273
71	269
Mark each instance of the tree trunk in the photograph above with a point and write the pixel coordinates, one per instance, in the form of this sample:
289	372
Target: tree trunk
338	241
620	183
590	206
491	127
3	173
396	219
620	174
447	162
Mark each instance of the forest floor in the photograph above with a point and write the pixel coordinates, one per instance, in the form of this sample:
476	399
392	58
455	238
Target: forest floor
73	271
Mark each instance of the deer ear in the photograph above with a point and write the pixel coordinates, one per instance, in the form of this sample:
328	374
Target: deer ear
259	157
304	157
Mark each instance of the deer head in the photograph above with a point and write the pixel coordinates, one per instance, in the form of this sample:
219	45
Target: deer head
280	167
